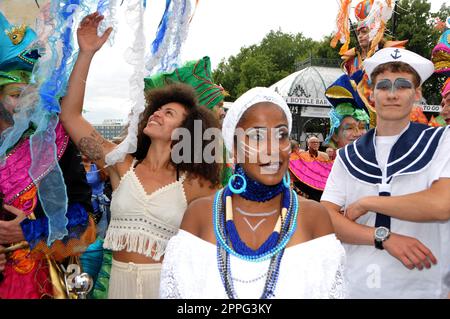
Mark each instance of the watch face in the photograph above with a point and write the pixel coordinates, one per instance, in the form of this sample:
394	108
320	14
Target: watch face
381	233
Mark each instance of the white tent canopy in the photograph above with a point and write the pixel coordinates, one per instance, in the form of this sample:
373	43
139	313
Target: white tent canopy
304	90
307	86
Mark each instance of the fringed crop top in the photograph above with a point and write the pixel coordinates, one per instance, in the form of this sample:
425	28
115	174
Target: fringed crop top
141	222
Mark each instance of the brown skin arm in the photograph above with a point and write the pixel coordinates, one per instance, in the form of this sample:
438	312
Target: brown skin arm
346	230
11	231
87	139
2	260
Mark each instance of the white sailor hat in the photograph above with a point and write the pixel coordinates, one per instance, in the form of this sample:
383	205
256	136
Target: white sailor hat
423	67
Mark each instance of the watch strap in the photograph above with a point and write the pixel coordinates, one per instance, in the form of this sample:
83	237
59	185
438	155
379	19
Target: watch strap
378	244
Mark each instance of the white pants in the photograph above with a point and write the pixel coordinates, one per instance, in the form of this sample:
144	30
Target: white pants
134	281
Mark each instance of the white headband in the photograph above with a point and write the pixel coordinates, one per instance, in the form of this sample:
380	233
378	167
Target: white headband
244	102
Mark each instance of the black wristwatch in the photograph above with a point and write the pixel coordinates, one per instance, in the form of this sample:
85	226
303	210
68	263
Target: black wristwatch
381	234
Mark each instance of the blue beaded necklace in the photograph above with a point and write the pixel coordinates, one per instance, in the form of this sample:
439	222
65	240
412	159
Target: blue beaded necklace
229	242
255	191
239	246
288	228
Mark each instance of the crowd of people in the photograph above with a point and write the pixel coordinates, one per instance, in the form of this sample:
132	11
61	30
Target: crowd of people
364	215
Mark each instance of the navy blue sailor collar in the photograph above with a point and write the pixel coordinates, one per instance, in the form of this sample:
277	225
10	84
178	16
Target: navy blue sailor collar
411	153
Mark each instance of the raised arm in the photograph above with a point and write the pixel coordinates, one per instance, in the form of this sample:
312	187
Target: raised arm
87	139
432	204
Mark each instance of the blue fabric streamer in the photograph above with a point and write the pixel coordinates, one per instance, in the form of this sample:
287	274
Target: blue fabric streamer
12	135
102	5
51	75
51	90
162	28
335	122
37	230
169	61
52	190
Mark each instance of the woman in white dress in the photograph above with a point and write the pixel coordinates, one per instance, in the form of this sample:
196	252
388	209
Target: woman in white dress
255	238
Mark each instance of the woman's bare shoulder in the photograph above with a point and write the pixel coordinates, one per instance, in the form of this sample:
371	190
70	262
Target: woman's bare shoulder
314	217
197	187
122	167
118	170
198	220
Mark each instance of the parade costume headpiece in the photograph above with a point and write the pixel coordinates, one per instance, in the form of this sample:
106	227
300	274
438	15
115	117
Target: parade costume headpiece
243	103
16	58
15	41
195	73
422	66
440	55
14	76
373	14
344	98
445	88
38	106
343	90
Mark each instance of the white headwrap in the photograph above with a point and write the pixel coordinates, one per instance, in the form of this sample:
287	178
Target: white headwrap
244	102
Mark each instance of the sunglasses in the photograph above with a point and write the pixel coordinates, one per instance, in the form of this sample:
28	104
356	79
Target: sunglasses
399	84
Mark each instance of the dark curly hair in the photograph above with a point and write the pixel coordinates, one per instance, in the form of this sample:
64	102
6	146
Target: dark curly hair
185	95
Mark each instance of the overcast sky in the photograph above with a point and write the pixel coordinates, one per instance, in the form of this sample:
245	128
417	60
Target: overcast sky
219	29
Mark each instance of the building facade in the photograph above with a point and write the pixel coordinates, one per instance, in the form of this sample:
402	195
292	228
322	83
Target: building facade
110	128
304	92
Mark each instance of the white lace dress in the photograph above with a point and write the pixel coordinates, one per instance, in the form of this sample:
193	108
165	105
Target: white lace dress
313	269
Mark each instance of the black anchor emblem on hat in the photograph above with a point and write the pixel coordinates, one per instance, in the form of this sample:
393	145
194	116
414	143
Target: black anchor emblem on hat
396	55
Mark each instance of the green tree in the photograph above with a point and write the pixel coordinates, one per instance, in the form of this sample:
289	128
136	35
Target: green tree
263	64
417	24
256	71
276	56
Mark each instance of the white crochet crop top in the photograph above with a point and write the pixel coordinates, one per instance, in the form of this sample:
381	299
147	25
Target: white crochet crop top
142	222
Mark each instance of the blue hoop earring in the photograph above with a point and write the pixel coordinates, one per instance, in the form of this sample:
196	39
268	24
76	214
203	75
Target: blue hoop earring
287	180
234	190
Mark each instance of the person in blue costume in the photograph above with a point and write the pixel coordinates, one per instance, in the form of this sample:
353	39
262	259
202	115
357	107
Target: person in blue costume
32	266
388	193
95	260
97	179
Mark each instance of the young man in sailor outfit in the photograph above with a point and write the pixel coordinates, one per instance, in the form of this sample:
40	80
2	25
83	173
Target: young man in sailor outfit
388	193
